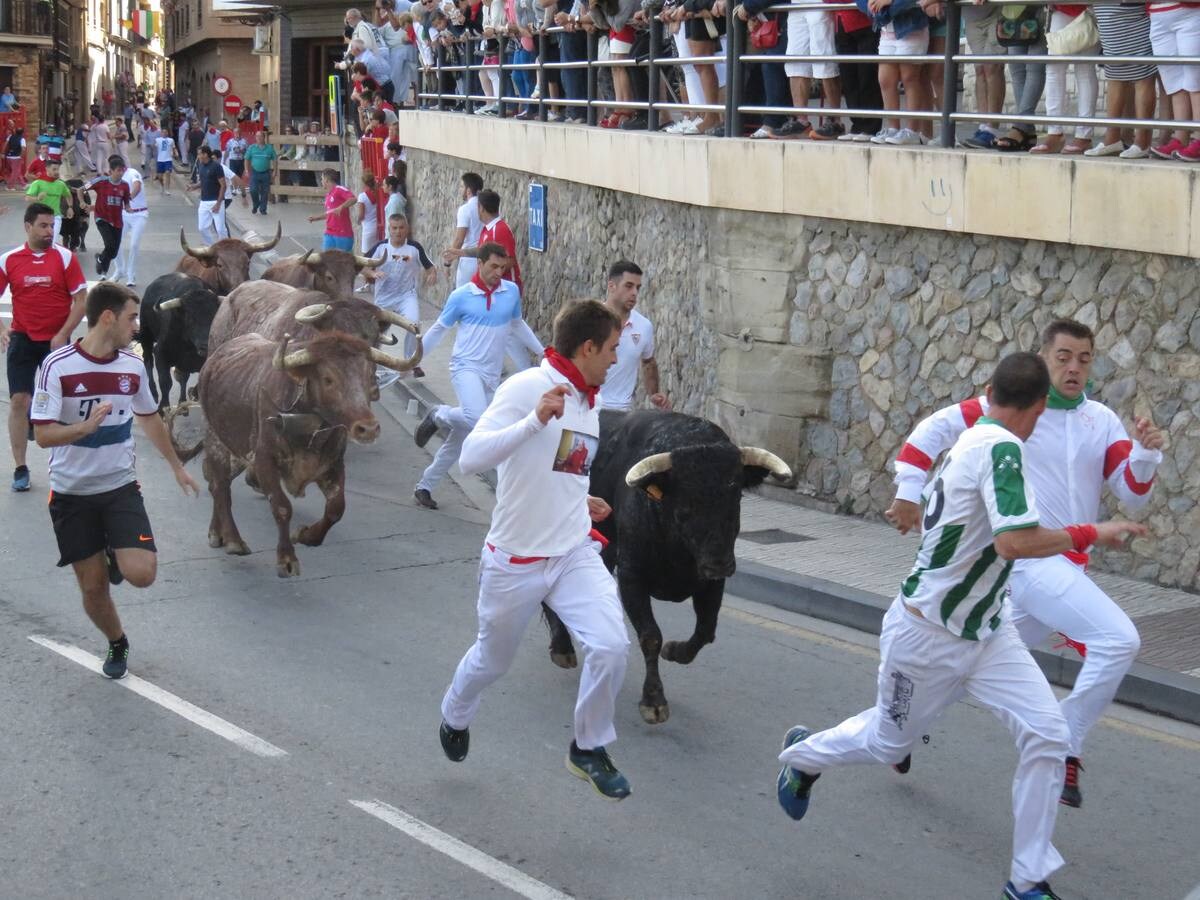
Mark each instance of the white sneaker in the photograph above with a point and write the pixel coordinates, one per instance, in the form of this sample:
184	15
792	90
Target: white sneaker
905	137
763	132
884	135
1133	151
131	284
689	126
1114	149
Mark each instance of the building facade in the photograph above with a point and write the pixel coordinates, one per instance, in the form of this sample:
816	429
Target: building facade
202	44
307	37
41	60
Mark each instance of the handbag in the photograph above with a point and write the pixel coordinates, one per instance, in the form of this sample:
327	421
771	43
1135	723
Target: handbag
1082	34
1019	26
764	32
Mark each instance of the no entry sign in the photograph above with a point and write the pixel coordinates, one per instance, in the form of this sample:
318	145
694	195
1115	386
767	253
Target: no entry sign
233	105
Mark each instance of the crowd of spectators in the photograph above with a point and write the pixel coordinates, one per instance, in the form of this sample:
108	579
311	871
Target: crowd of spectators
400	53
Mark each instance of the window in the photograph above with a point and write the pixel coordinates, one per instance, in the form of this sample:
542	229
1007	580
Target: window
199	13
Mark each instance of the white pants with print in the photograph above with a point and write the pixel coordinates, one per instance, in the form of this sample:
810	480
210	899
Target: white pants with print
923	668
581	591
131	241
474	395
211	224
1054	594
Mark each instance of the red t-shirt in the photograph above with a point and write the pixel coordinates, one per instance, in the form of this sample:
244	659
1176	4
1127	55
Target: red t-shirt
378	130
37	169
338	224
498	232
42	285
111	199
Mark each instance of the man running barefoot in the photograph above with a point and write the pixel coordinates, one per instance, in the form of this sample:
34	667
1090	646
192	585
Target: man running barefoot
947	632
86	397
541	433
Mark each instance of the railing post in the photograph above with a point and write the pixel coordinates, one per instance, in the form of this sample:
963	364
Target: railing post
652	75
593	47
437	65
733	73
950	72
469	61
501	106
542	86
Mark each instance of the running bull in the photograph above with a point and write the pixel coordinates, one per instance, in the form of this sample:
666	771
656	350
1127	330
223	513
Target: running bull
674	483
225	264
177	313
331	271
287	412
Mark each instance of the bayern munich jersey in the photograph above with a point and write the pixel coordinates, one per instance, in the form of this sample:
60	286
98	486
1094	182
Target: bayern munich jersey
70	384
979	492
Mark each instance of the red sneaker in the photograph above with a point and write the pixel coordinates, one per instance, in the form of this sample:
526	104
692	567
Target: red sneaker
1167	150
1190	153
1071	795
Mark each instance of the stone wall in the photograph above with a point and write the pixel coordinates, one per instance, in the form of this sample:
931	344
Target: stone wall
827	341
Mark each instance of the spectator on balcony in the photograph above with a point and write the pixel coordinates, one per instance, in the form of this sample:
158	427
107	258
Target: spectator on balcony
1175	31
359	29
934	73
377	66
399	35
339	232
523	17
855	36
979	23
810	32
259	115
8	101
903	31
1125	31
704	27
1087	89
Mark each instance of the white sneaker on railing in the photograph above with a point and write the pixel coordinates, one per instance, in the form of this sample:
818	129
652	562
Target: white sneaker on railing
1102	149
884	134
905	137
1133	151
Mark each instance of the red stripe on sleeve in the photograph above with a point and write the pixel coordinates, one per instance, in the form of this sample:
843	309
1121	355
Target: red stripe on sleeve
914	457
972	411
1136	486
1116	454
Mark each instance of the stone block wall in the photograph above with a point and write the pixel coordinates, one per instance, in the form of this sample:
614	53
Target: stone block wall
827	341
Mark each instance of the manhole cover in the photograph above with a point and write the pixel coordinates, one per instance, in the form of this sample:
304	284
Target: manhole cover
774	536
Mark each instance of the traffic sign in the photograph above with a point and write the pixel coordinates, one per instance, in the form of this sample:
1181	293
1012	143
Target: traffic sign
537	217
221	85
233	105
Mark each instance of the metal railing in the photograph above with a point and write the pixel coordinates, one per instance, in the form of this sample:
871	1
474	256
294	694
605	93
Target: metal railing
735	59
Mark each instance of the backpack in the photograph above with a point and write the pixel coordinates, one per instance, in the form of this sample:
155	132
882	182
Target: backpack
1019	26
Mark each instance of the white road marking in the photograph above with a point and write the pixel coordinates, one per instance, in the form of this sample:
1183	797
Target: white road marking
167	700
502	873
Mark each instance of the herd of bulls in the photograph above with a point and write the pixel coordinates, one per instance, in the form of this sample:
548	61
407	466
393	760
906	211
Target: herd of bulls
287	376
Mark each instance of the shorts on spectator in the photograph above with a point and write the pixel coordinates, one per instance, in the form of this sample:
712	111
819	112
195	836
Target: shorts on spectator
24	357
621	41
981	33
810	32
704	29
85	524
332	242
937	27
167	166
912	44
1176	32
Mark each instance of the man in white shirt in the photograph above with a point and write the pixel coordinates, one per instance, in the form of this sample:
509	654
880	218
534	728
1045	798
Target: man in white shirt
467	226
165	165
136	218
636	350
397	279
541	433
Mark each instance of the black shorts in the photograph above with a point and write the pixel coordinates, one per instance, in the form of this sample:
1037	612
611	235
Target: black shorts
85	524
24	357
697	30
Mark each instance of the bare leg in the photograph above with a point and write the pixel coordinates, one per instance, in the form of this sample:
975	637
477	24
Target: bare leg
92	575
889	75
18	427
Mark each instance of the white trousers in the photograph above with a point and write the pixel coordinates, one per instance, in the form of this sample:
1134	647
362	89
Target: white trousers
131	240
57	238
1087	85
467	266
810	33
922	670
581	591
691	78
474	395
409	306
368	239
211	224
1054	594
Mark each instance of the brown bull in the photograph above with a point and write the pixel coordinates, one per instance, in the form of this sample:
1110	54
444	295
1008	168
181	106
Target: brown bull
287	415
273	310
331	272
225	264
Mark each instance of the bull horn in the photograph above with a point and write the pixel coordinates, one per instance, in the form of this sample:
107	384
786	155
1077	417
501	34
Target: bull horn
310	258
173	303
314	313
265	245
280	352
284	360
204	252
756	456
651	465
389	339
397	365
394	318
365	262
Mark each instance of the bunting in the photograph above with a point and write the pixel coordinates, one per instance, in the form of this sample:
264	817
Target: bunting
146	23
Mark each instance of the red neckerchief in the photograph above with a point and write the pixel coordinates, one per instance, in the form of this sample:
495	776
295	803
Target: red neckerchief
487	291
568	368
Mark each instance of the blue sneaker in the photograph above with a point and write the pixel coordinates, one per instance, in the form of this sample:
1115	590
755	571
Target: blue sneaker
596	767
1040	891
20	482
792	786
982	139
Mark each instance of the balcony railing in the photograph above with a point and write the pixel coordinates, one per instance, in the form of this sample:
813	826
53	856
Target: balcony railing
33	18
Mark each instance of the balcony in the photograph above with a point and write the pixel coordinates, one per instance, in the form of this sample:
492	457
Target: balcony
26	18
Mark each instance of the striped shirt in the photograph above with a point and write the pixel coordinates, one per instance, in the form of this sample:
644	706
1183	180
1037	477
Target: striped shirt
979	492
70	384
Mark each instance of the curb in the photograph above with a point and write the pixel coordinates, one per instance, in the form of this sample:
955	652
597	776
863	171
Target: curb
1155	690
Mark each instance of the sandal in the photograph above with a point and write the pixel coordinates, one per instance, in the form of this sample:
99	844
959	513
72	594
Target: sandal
1076	148
1021	143
1052	144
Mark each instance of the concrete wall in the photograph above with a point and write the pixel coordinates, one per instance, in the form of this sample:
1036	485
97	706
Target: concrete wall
826	339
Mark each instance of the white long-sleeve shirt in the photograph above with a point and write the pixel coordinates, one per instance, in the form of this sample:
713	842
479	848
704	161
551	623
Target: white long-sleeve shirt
542	470
1071	455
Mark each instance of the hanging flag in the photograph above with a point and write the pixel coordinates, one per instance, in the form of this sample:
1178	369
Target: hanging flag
146	23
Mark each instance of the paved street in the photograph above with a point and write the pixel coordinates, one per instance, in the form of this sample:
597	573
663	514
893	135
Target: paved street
322	776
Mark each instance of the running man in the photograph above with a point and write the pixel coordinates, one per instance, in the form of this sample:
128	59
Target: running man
165	160
396	282
636	350
112	201
50	189
48	292
87	396
136	219
211	183
467	227
485	309
541	547
1079	445
947	633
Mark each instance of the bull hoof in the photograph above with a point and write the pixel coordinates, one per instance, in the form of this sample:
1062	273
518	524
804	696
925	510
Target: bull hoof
677	652
564	660
307	537
288	568
655	713
215	540
237	548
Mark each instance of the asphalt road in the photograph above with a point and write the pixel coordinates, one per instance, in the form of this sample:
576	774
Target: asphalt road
340	671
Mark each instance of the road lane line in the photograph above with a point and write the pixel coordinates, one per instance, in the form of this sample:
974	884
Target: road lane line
502	873
167	700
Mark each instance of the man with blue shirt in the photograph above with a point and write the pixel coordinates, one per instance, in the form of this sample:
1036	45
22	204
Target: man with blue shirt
486	310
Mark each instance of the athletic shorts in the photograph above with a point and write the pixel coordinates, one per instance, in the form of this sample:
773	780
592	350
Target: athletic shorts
981	32
238	166
333	242
24	357
621	41
164	167
85	524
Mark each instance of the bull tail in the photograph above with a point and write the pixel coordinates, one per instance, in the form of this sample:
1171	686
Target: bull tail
186	438
186	456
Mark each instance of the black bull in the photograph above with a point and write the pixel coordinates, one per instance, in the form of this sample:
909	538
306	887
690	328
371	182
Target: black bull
674	483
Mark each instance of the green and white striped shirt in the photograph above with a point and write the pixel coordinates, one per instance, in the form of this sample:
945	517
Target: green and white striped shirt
979	492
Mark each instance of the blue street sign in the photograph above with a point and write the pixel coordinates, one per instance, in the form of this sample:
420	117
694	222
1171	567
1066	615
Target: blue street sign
537	217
